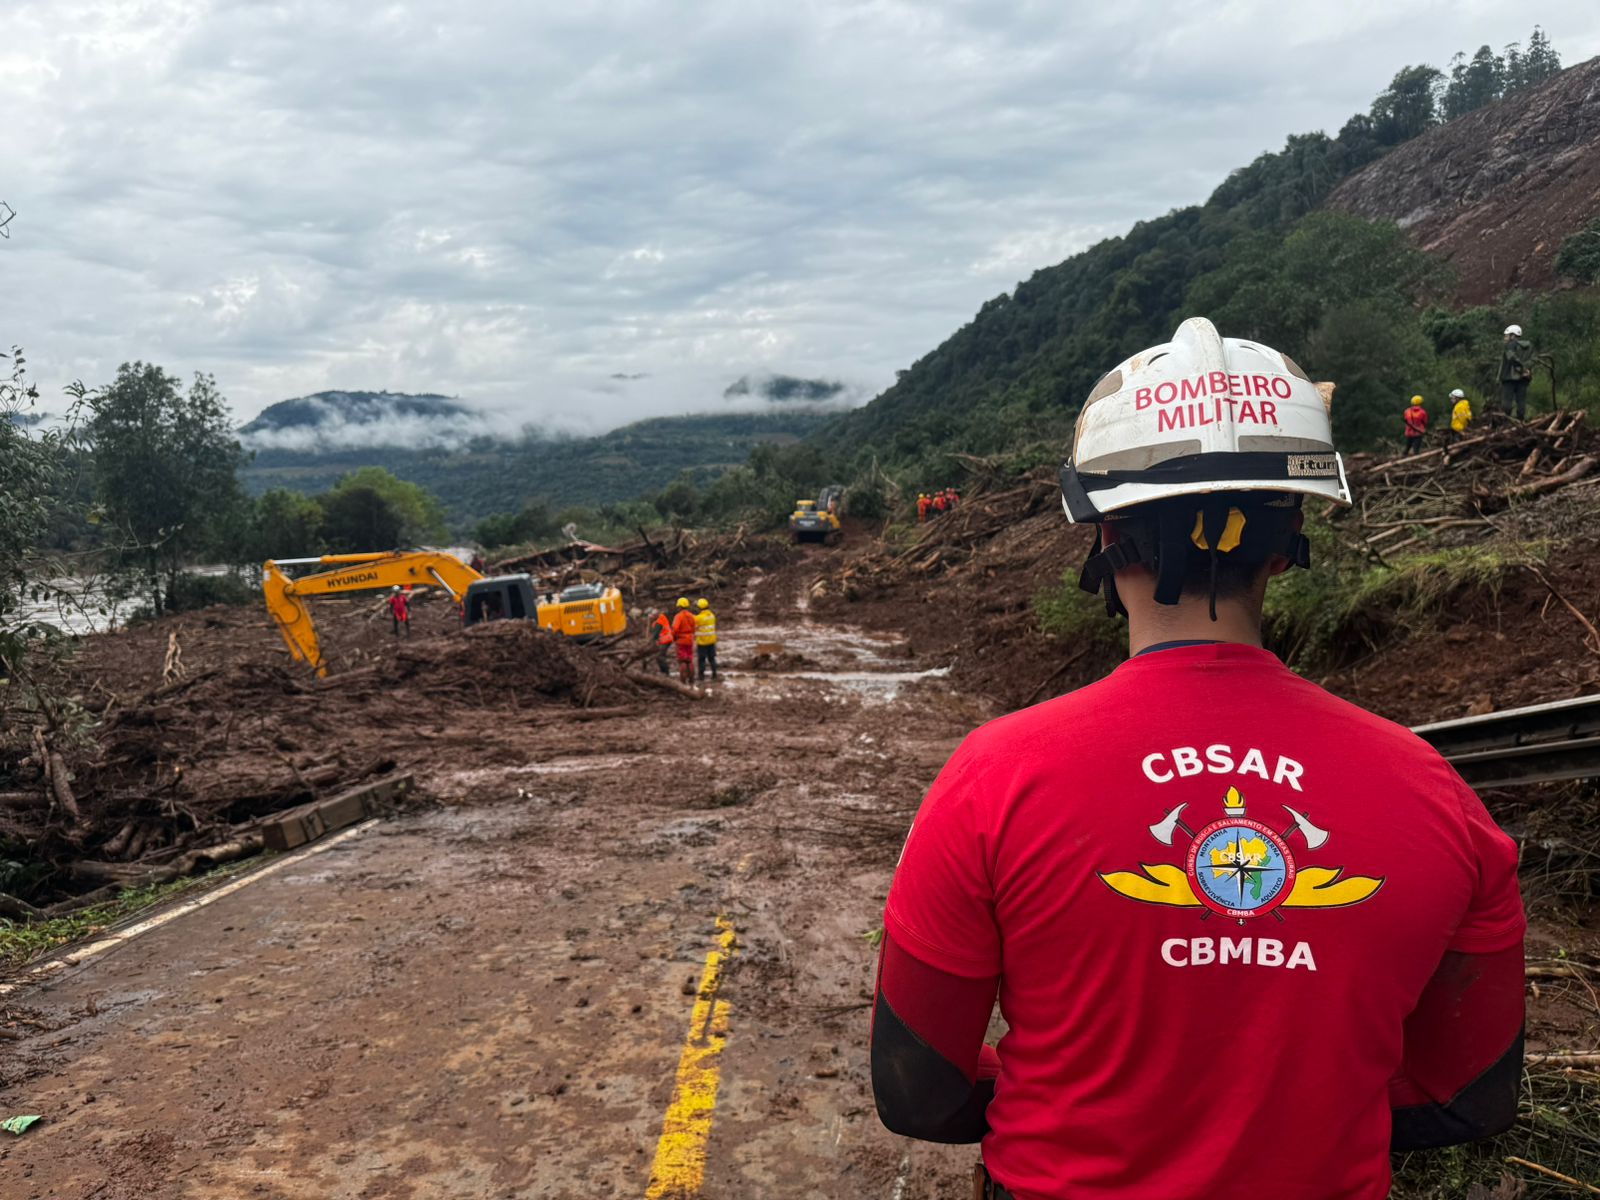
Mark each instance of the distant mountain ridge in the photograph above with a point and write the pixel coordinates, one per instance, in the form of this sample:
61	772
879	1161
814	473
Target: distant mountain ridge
482	475
336	420
357	407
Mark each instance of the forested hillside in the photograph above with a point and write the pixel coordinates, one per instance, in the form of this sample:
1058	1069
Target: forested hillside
489	475
1352	299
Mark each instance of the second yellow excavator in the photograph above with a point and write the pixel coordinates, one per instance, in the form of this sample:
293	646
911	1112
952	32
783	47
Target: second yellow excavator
582	612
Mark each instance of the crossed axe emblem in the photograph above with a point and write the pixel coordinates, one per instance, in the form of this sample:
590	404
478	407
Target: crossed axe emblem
1165	829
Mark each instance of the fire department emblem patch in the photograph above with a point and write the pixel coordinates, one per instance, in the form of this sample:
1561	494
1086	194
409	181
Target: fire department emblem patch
1239	867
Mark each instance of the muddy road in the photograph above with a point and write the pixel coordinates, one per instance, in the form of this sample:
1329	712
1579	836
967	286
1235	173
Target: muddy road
601	933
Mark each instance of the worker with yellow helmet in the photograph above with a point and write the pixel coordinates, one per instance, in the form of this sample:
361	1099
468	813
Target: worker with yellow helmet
683	638
705	637
1416	418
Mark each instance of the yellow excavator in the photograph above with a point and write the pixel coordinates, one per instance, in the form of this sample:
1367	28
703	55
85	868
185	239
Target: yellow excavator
582	612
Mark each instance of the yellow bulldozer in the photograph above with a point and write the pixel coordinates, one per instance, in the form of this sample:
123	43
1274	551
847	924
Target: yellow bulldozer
817	520
582	612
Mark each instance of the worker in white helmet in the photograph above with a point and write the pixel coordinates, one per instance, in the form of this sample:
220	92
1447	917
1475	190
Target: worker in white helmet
1239	929
1460	416
1516	372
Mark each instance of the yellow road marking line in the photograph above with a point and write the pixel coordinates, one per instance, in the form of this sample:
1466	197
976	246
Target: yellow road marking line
680	1165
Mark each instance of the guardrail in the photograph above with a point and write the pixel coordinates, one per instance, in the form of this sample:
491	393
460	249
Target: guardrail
1537	744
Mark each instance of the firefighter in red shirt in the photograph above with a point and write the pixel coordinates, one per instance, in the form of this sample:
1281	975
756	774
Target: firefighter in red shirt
1240	930
1416	418
683	628
400	610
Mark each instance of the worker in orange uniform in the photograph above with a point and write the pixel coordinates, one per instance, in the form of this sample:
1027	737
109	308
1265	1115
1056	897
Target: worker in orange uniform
664	640
922	507
683	637
705	640
400	610
938	504
1416	418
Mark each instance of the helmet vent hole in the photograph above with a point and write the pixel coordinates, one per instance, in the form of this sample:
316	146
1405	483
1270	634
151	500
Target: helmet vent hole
1110	383
1294	368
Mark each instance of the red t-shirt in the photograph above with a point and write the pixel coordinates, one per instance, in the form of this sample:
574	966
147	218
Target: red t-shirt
1416	421
1199	1003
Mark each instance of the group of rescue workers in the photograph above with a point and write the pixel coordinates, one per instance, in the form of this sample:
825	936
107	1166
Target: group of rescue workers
691	633
1516	372
936	504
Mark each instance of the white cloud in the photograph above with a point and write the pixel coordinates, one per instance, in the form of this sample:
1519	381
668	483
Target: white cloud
514	202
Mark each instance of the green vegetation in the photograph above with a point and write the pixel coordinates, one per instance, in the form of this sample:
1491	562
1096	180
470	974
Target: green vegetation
1580	254
370	509
1557	1127
165	469
1488	76
23	942
1350	604
31	470
1069	614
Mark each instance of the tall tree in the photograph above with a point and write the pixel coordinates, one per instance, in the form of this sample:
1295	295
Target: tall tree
165	467
1539	60
1473	84
30	468
1407	106
370	509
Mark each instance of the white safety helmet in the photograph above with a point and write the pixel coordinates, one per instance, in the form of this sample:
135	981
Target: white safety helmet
1513	330
1199	414
1457	394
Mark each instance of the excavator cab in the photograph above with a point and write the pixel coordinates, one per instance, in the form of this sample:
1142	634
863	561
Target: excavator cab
808	523
501	598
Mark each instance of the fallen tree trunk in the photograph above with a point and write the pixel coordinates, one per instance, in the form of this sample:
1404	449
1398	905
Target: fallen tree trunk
1571	475
134	874
55	771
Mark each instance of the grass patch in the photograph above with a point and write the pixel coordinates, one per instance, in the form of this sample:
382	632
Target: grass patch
1071	615
1346	605
1558	1127
23	942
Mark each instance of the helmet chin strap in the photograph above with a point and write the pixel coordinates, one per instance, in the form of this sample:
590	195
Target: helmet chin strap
1165	538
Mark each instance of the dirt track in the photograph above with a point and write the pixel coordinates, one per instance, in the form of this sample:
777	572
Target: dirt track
489	998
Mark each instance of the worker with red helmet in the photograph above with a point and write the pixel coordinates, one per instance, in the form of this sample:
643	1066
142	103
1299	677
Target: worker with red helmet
1239	929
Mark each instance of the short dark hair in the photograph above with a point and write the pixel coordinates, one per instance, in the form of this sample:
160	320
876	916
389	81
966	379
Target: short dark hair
1237	576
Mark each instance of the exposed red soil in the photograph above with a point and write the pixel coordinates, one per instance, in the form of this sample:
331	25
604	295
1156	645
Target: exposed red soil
1496	191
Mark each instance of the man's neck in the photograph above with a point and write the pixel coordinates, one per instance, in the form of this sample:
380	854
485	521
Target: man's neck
1190	621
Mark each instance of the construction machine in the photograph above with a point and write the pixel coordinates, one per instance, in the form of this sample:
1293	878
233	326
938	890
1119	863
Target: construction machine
583	612
817	520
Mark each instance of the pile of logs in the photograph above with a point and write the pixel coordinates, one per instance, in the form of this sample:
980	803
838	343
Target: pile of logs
949	540
1405	500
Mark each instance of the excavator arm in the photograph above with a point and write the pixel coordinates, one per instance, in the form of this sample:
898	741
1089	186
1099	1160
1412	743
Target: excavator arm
286	598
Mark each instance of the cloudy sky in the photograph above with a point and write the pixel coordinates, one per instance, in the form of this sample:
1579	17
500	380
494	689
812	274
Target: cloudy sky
516	201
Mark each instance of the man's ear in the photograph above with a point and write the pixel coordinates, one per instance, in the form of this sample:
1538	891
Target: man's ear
1278	564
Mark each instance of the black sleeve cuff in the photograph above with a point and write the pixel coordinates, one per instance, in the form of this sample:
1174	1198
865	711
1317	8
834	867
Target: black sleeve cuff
1485	1107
